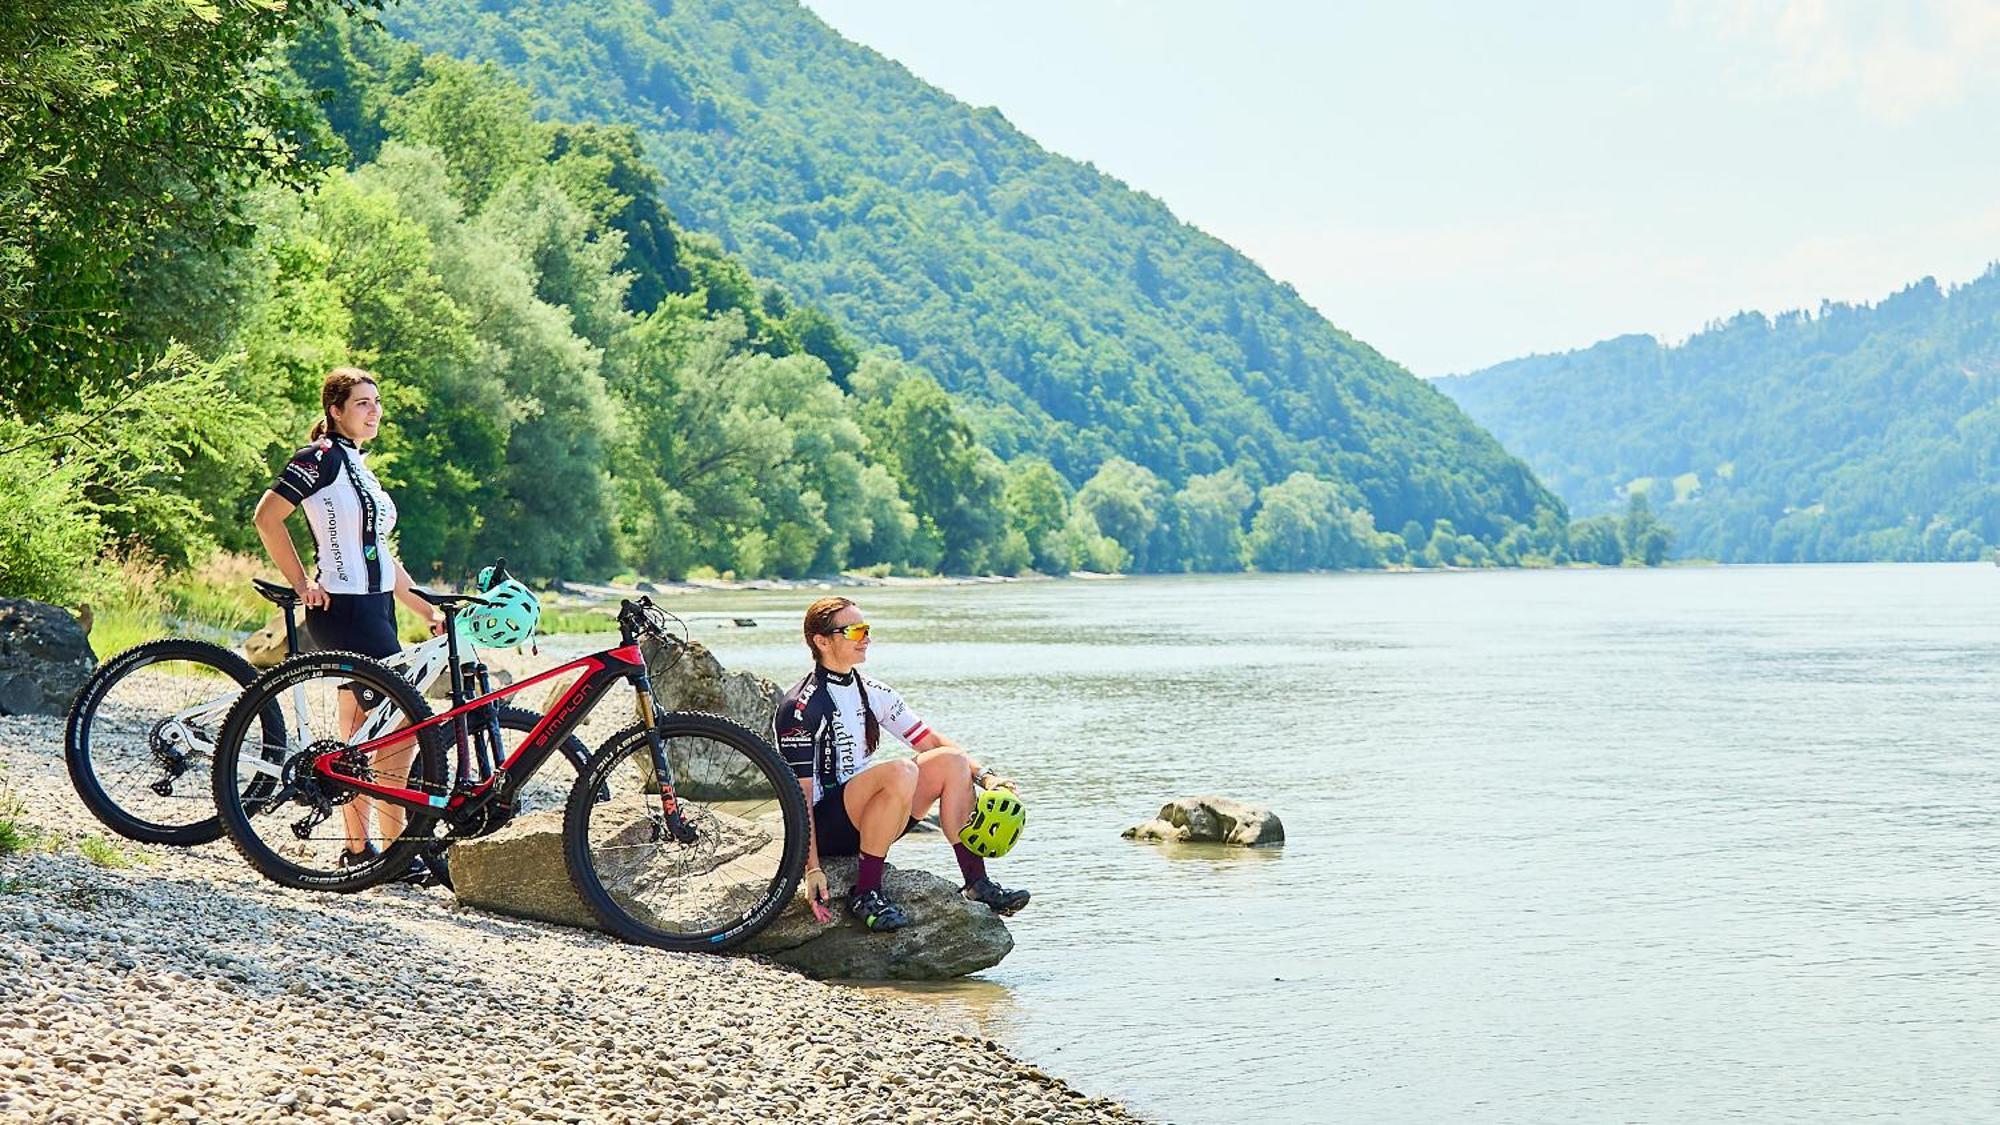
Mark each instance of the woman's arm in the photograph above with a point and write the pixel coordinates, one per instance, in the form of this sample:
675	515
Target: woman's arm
815	879
406	594
981	776
272	511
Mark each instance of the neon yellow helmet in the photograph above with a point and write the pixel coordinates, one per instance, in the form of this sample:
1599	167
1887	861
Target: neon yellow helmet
996	822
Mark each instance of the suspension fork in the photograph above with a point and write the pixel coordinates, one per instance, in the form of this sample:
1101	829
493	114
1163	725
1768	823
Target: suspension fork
663	774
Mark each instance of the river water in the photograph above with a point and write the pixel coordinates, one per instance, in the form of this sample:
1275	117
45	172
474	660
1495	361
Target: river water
1562	846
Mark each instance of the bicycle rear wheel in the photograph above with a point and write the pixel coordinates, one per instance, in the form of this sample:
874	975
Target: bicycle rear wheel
715	875
294	824
141	735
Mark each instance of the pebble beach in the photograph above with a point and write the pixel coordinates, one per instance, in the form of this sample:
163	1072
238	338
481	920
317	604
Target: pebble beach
179	985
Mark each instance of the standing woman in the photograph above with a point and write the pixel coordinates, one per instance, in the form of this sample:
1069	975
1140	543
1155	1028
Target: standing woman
350	596
828	727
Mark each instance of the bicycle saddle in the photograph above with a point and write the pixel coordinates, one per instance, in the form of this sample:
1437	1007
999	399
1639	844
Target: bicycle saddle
442	600
275	593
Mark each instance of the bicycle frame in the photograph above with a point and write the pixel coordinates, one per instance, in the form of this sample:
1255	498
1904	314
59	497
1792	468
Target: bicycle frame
421	666
601	672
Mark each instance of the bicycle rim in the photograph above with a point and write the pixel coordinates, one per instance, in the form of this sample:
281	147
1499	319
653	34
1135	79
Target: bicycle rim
730	873
141	734
292	824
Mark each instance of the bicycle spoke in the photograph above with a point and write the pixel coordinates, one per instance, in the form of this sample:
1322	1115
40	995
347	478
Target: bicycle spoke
302	826
139	747
725	858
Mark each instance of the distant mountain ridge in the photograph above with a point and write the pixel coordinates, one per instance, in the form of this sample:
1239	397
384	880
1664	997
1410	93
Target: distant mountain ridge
1860	432
1079	317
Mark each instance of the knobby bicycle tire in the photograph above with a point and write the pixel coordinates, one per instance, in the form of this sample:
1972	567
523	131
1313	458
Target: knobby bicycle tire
595	782
427	772
81	733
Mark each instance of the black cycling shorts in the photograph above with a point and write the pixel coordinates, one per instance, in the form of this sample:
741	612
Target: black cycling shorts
833	829
363	623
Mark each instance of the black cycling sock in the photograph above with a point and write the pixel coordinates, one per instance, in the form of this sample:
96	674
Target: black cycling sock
868	877
970	864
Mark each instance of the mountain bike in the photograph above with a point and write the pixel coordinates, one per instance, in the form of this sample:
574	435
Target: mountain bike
684	831
141	731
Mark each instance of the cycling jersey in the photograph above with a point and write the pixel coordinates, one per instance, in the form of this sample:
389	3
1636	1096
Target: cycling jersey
349	513
821	731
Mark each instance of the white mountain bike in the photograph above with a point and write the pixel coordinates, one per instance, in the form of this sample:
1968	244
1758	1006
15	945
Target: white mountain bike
140	741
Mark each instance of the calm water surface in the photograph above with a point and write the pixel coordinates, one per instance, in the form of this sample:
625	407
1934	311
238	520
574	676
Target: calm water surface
1563	846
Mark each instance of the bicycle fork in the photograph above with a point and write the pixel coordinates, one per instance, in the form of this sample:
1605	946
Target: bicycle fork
663	775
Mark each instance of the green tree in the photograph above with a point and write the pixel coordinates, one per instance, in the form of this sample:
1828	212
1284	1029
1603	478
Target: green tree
1212	509
113	470
481	124
127	126
1037	504
1090	549
1132	505
1644	538
953	483
1595	540
1302	523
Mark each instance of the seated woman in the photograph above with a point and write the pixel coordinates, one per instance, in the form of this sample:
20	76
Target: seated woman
828	726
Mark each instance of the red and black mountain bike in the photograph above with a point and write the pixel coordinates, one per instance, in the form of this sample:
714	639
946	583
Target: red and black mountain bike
684	831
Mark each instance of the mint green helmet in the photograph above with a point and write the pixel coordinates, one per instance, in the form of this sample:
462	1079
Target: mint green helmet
996	822
508	619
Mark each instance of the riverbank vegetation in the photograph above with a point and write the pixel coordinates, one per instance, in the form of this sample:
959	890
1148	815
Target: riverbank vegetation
1859	432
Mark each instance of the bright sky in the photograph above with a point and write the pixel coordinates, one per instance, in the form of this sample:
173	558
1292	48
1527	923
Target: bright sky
1460	184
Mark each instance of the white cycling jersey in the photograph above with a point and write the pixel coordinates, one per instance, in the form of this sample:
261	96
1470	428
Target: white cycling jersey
350	514
822	732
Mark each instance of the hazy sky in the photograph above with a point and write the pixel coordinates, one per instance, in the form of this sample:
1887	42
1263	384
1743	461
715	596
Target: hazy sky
1459	184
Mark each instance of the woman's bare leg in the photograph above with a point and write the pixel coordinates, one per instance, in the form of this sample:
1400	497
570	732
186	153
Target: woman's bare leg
944	778
878	802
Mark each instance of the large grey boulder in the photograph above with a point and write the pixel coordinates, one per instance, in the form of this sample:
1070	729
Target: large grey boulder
1216	820
519	871
688	677
44	657
947	936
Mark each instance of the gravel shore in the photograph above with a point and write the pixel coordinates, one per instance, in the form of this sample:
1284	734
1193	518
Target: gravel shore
186	987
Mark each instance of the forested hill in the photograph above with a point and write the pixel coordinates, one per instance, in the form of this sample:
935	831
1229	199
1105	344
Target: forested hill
1861	432
1078	318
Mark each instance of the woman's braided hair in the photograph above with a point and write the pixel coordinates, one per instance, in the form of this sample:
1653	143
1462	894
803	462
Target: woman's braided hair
819	623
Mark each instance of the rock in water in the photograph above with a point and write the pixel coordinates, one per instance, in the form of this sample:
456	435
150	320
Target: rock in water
1217	820
44	658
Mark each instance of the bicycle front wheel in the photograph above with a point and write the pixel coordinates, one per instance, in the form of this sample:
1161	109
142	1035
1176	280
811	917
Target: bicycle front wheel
307	829
141	736
715	872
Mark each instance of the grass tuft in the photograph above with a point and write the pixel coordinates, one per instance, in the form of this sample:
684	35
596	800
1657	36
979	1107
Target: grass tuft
105	853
